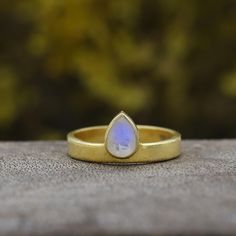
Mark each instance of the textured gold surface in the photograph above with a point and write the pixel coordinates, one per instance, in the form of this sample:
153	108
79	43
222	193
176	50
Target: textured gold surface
156	144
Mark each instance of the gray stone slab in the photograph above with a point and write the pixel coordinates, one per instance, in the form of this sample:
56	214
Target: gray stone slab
43	192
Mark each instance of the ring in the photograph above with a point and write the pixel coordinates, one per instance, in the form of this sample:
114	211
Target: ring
124	142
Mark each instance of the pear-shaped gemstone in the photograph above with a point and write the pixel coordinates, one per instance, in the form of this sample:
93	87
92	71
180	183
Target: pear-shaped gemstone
122	137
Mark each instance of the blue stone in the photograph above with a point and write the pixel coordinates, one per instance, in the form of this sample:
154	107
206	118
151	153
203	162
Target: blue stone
122	138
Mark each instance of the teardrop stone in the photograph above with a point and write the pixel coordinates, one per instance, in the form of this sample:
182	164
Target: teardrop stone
122	138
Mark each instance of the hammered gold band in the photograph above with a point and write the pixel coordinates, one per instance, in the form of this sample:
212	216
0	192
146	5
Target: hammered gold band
155	144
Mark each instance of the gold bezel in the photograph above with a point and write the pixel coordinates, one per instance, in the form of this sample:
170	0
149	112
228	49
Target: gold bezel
131	122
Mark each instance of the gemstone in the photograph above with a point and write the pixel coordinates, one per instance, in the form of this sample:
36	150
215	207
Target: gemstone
122	137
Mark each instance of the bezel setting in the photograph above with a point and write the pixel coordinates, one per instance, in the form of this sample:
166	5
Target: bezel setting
135	136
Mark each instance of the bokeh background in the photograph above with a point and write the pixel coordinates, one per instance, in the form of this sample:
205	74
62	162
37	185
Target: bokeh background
74	63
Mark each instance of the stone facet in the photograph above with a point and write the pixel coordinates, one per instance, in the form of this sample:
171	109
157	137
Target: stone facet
122	140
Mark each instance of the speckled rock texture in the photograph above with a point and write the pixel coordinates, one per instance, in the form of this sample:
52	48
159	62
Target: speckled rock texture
43	192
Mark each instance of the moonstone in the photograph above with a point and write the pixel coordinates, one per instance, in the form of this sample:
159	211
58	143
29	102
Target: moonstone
122	138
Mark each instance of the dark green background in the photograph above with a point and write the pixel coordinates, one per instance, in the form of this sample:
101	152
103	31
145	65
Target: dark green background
69	64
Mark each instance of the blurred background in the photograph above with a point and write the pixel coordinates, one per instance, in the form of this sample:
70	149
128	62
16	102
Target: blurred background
74	63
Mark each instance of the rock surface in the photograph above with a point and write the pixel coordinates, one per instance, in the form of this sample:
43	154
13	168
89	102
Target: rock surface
43	192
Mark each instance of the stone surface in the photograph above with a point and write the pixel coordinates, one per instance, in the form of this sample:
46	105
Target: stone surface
121	139
43	192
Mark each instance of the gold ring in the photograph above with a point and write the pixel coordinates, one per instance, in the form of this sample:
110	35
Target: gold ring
124	142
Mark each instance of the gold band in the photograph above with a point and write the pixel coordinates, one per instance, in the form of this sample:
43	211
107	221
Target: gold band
155	144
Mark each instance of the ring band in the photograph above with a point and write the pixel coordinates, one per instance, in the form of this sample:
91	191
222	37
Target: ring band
124	142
